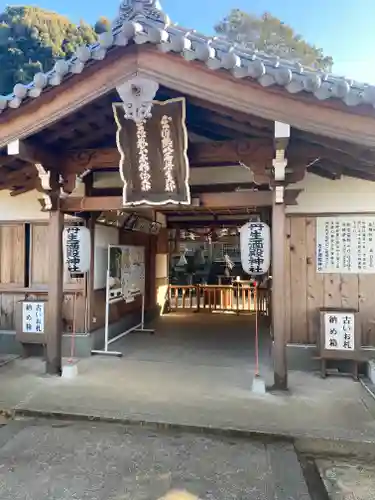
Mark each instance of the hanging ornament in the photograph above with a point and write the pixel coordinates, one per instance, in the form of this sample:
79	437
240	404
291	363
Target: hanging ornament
182	260
228	262
223	232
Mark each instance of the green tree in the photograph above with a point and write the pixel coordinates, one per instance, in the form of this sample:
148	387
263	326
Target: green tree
32	39
270	35
102	25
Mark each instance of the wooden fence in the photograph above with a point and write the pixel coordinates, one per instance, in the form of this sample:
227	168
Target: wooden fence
220	298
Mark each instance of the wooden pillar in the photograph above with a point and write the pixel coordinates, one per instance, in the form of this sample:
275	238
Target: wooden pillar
282	134
55	293
278	293
90	292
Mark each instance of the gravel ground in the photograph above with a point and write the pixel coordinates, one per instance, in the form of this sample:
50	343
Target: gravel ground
348	480
42	460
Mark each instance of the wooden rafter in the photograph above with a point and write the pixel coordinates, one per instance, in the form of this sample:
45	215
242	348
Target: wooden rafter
28	151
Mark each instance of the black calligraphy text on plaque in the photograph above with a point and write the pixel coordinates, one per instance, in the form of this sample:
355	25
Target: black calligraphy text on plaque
73	249
256	249
332	342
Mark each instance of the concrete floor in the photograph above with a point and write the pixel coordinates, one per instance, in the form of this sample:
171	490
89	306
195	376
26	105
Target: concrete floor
194	375
221	340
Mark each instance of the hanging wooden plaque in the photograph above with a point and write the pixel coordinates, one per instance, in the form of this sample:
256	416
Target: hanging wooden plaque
154	166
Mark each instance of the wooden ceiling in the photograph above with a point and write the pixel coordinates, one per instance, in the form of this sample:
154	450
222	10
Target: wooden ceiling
93	127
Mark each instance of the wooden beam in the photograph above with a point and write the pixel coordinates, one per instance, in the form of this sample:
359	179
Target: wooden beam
210	153
207	200
355	151
299	150
257	153
55	293
30	152
260	126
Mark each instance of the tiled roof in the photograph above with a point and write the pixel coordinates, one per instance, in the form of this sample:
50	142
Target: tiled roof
143	21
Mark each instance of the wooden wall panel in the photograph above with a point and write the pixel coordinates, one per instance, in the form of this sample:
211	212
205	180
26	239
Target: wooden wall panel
74	312
8	301
162	241
288	284
366	288
12	255
298	278
307	291
39	255
314	281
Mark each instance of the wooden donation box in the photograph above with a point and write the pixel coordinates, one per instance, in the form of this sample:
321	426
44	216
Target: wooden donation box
340	337
30	321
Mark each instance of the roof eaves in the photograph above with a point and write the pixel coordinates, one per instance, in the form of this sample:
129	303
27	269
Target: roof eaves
144	22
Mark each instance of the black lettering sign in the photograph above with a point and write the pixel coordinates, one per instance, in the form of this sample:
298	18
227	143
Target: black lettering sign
256	249
73	249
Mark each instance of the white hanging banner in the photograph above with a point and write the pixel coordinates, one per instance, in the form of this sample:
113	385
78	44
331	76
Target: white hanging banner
77	249
255	243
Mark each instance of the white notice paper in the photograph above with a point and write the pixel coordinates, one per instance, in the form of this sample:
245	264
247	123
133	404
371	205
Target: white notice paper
339	331
345	245
33	317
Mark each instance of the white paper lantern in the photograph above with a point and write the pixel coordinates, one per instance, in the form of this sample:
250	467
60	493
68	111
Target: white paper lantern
77	249
255	242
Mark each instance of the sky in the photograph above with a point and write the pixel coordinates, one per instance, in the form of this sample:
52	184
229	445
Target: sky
345	29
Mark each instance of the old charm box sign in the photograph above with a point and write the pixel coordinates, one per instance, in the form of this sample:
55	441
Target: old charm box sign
30	321
340	337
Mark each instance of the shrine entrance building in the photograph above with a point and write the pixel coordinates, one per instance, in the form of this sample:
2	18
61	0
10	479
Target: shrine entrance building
267	140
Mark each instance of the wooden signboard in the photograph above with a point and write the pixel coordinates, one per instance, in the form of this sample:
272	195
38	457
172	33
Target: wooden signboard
340	337
30	321
154	166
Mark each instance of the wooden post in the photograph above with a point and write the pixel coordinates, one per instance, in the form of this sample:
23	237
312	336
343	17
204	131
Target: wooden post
282	135
90	293
278	291
55	292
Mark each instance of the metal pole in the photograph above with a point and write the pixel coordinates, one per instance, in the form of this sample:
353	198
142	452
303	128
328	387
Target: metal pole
143	312
106	326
